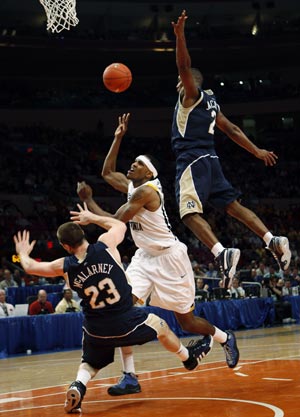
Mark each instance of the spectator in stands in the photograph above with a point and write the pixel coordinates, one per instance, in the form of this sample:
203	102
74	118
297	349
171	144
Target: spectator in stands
283	308
125	262
214	276
268	276
67	304
236	290
8	280
6	309
17	277
201	286
198	272
261	271
253	276
287	287
41	305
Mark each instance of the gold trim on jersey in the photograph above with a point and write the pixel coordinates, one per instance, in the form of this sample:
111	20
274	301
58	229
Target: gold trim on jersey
152	186
183	114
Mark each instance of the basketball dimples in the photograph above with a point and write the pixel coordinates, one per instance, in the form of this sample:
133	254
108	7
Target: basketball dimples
117	77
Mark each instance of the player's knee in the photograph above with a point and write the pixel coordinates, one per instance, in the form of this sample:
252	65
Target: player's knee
158	324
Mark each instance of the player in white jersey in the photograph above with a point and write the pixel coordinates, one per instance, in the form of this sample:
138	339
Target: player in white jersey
160	268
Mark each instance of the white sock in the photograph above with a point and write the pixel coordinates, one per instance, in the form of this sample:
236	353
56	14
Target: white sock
217	249
83	376
267	238
182	353
219	335
127	359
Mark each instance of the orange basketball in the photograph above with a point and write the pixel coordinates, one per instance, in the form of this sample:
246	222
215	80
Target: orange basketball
117	77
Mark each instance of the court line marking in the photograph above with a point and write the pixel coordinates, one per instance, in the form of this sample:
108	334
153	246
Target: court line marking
278	412
278	379
10	400
247	363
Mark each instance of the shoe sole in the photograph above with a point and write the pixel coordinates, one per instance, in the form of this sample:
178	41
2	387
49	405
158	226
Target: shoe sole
286	254
72	401
231	273
199	359
210	346
238	353
114	392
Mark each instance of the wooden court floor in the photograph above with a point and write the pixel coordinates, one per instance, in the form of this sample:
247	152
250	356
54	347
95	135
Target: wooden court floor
266	382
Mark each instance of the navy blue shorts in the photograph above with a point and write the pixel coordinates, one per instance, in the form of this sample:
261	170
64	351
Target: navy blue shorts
200	179
99	352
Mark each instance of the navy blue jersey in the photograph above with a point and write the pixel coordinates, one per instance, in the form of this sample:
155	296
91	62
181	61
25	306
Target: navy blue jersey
101	283
193	127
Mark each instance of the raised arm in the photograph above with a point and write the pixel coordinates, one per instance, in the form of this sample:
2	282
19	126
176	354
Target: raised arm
239	137
143	197
116	229
183	62
30	265
85	194
109	173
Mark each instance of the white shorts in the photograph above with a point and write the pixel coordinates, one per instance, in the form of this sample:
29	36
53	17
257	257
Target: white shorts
167	277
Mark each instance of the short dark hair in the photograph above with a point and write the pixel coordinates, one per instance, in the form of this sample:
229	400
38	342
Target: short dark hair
70	234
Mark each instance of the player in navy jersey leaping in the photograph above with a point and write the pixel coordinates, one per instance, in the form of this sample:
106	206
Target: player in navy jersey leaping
199	176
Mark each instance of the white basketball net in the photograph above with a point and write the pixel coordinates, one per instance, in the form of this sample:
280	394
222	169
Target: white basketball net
61	14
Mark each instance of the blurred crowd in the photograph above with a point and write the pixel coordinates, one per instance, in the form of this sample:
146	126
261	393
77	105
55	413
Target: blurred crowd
146	92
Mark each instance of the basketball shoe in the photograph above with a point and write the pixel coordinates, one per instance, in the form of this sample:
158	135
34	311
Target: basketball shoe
127	384
198	350
280	249
228	260
231	350
75	394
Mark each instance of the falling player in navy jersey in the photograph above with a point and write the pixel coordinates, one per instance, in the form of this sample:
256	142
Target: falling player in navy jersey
96	273
199	176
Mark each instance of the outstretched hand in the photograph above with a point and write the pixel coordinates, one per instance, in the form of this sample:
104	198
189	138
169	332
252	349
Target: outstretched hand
123	125
84	191
179	25
83	216
269	157
22	242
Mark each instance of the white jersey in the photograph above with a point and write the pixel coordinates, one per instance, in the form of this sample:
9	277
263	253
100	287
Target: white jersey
151	230
160	269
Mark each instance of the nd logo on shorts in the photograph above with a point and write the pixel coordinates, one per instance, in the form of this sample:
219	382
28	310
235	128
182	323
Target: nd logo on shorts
191	204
